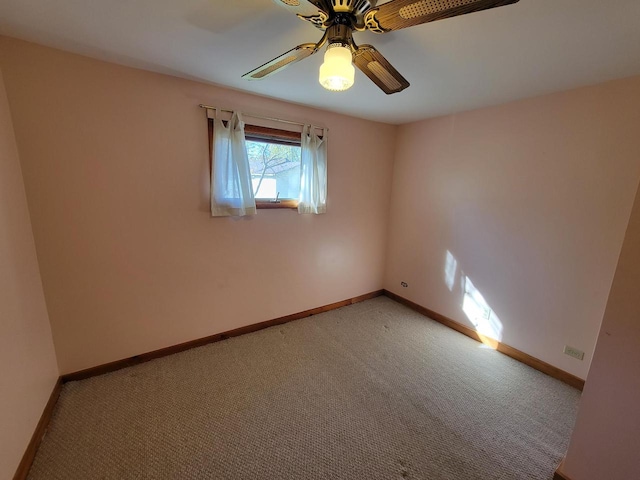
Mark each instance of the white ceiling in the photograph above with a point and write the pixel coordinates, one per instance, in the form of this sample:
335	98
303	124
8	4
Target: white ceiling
485	58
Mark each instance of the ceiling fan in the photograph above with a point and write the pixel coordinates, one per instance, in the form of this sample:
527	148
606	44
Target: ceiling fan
340	18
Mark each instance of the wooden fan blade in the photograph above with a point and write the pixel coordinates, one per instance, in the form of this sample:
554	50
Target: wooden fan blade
399	14
371	62
292	56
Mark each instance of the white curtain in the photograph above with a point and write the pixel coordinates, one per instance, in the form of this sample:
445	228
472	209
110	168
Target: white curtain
313	172
231	189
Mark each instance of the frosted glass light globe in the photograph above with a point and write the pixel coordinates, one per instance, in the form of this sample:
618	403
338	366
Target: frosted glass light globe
337	73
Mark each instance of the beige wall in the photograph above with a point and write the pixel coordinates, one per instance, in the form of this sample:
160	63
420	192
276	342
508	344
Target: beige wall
532	200
28	368
115	163
606	441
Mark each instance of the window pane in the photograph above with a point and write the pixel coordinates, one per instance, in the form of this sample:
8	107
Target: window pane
268	188
275	169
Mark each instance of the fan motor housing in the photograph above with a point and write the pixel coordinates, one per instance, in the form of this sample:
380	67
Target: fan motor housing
356	7
341	34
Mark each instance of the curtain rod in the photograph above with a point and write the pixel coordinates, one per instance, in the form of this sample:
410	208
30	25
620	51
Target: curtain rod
262	117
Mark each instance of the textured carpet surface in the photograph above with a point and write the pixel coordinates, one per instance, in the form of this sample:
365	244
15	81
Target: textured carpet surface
370	391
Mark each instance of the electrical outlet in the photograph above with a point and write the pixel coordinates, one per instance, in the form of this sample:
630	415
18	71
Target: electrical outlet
573	352
404	284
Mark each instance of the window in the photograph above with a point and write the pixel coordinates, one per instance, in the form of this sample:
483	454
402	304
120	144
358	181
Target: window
274	160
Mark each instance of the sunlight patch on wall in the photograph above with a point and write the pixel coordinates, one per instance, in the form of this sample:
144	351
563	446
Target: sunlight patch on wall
484	320
450	267
479	313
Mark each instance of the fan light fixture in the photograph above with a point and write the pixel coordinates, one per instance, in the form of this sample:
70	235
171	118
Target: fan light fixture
339	19
337	72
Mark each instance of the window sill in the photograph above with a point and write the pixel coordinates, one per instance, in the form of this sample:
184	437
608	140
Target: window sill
268	204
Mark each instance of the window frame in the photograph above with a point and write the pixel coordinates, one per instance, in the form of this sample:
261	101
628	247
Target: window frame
268	135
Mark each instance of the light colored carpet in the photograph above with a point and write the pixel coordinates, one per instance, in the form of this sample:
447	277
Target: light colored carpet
370	391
